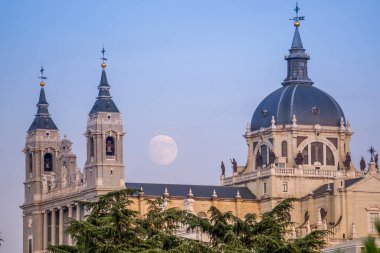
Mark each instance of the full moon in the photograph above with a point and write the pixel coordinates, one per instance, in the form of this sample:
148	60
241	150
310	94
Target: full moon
162	150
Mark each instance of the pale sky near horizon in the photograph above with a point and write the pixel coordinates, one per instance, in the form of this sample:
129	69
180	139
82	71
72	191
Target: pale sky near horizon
192	70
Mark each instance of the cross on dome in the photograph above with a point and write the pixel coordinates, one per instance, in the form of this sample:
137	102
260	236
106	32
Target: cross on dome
103	58
297	18
42	77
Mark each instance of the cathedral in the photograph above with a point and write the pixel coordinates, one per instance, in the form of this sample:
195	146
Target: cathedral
298	146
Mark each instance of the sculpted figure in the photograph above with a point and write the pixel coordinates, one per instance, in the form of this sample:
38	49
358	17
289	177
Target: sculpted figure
377	160
299	158
347	162
362	164
223	168
234	165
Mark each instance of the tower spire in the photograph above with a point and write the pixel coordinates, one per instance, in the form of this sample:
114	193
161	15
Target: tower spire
104	102
42	119
297	58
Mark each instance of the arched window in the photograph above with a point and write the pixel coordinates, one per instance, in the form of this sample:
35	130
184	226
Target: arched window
265	154
110	146
323	213
329	157
262	156
92	146
319	153
30	163
284	149
48	162
305	154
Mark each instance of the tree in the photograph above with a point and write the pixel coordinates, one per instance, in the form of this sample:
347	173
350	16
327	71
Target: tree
229	233
111	226
1	240
370	245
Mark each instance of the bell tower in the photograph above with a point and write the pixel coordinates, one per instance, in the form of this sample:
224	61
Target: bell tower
104	169
41	151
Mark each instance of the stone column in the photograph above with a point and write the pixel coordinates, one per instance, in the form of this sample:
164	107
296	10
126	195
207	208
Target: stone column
53	222
77	213
70	241
45	240
60	228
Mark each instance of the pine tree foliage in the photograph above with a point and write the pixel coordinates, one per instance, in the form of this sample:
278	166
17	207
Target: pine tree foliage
229	233
111	226
370	245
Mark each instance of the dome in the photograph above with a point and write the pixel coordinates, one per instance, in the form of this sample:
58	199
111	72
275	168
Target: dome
310	105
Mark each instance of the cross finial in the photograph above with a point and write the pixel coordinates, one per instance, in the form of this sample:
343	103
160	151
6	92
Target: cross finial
103	58
297	18
372	151
42	77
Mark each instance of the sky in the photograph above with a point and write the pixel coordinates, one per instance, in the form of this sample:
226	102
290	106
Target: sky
192	70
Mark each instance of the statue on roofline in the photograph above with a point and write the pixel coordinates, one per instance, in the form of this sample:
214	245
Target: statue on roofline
234	165
223	168
362	164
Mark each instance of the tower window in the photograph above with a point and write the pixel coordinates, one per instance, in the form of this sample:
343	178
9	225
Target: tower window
265	188
285	186
373	218
264	154
30	246
284	149
92	146
30	163
110	146
48	162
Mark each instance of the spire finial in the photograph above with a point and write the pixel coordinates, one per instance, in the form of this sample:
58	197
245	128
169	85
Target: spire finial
297	18
42	77
103	59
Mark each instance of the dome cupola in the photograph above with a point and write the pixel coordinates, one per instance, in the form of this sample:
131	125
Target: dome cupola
298	98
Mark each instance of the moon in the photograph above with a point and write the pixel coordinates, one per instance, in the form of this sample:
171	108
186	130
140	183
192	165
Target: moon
162	150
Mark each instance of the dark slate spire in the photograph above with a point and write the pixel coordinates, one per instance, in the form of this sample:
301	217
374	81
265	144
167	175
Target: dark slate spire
42	119
104	102
297	58
297	42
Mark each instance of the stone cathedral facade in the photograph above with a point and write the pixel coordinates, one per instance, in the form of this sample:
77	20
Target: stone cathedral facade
298	146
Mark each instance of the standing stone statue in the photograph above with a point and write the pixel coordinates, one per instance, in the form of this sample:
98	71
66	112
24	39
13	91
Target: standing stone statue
362	164
223	168
347	162
234	165
299	158
377	160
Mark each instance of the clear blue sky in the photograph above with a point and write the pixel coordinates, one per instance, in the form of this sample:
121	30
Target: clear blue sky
193	70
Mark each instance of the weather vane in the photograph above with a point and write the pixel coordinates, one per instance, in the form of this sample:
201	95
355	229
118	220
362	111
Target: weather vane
297	18
103	58
42	77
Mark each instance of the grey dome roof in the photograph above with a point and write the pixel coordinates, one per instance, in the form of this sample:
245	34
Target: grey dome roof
310	105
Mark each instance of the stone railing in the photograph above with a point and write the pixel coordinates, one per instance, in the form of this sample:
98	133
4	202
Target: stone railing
360	173
276	171
61	193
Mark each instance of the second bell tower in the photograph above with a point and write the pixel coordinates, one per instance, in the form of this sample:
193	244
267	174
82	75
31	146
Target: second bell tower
104	169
